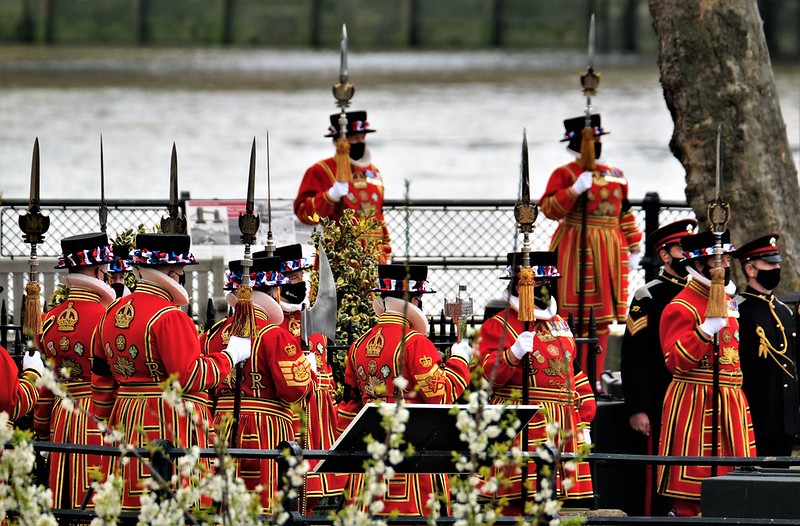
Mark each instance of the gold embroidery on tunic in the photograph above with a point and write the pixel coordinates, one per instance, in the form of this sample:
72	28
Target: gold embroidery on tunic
730	356
431	383
255	381
63	343
74	368
556	367
375	344
124	316
67	319
375	388
153	371
124	366
294	326
226	335
301	372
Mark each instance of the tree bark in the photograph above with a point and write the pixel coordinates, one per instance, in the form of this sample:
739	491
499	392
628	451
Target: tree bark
716	70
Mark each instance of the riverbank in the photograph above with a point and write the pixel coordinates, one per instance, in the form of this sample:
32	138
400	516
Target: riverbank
449	122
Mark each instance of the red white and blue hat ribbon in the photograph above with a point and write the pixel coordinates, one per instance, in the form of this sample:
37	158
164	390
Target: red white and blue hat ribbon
143	256
539	271
708	251
293	265
260	279
94	256
403	285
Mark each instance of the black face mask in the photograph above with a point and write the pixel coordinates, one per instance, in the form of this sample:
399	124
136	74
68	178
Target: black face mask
678	268
119	289
182	280
598	147
543	294
419	303
294	292
357	150
769	279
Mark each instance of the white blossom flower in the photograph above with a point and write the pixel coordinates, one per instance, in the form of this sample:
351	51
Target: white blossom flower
401	383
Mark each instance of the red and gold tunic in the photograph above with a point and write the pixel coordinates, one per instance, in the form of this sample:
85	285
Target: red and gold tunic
276	376
365	197
611	233
66	340
565	397
320	412
17	395
143	339
687	420
373	362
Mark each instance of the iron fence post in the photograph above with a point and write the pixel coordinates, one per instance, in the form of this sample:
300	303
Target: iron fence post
289	503
651	205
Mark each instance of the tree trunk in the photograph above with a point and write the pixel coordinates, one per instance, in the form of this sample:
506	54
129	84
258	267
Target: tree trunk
716	70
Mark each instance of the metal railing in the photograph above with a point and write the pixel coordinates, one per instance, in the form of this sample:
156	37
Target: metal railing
170	453
462	242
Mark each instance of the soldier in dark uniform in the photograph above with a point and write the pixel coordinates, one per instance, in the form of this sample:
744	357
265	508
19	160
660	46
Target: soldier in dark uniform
767	349
645	376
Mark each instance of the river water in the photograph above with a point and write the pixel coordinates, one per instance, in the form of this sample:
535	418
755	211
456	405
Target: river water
449	123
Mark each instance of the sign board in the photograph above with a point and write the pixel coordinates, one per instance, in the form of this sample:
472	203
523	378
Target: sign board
430	429
214	226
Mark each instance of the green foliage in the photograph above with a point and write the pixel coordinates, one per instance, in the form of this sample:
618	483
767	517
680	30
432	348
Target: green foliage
128	238
354	262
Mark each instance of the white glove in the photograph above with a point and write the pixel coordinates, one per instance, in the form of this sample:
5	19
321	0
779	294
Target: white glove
633	260
33	362
462	349
312	361
338	190
582	183
713	325
238	349
523	345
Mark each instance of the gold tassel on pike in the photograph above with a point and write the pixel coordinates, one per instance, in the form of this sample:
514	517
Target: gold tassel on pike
244	314
344	172
587	149
32	323
525	288
717	299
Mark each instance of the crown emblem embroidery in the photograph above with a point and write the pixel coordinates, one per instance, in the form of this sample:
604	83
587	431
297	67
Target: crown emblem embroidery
124	316
375	344
67	319
294	327
426	361
226	335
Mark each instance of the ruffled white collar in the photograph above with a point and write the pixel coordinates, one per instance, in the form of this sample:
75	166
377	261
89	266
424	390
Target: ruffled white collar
178	294
107	294
293	307
730	287
411	312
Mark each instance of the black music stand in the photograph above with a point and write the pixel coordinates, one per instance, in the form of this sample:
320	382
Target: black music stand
431	429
